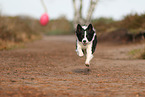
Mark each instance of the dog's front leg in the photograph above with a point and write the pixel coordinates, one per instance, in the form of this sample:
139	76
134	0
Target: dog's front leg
79	50
89	56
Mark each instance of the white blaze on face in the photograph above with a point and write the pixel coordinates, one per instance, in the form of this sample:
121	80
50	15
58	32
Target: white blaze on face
85	36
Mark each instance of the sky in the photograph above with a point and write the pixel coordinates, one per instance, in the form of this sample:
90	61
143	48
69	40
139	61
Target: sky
115	9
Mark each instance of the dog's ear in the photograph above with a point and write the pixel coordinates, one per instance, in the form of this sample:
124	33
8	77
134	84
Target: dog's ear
79	28
90	28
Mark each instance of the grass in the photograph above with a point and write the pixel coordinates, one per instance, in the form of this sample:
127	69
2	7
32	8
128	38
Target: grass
143	55
138	53
7	45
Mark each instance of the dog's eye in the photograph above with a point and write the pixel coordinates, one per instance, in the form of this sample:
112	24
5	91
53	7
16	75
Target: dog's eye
82	36
87	35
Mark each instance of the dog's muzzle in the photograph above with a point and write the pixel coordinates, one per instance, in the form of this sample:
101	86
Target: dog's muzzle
84	42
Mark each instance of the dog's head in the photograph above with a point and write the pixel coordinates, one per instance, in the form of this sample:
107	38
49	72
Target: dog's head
85	33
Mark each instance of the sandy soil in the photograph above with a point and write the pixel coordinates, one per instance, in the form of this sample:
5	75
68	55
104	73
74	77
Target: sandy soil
51	68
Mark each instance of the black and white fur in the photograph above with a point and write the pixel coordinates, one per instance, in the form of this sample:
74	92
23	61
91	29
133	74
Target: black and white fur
86	42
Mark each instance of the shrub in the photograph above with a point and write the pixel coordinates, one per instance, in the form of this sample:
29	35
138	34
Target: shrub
18	29
59	26
134	23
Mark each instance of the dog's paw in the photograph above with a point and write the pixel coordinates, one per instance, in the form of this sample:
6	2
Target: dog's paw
88	65
81	55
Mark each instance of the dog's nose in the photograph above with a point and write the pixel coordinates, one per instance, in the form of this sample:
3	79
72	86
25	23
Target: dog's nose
84	41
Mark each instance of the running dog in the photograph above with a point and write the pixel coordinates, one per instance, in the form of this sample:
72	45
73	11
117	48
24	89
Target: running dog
86	42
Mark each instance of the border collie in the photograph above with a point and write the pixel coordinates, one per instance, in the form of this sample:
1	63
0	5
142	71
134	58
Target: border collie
86	42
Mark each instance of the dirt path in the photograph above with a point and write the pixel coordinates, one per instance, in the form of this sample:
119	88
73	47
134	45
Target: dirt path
51	68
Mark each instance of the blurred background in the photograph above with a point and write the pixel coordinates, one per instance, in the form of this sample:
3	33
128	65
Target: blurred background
121	21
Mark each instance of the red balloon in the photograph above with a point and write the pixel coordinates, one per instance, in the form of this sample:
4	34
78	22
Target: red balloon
44	19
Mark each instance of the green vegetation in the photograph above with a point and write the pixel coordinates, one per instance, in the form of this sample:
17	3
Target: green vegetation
60	26
134	23
143	55
20	29
104	24
16	30
138	53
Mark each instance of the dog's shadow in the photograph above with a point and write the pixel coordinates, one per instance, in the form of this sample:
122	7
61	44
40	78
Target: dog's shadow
84	71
